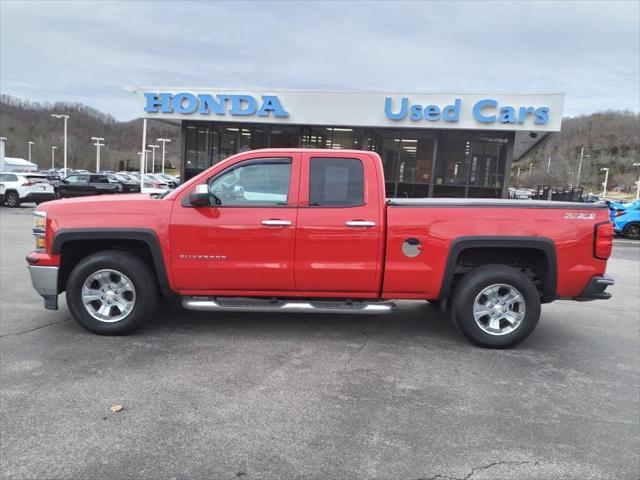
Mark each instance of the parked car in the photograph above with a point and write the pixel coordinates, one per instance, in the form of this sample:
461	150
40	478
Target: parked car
129	185
25	188
64	172
2	190
52	176
155	189
152	177
307	230
173	182
626	221
80	185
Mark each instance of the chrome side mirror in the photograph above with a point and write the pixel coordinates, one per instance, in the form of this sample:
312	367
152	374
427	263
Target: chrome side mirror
200	196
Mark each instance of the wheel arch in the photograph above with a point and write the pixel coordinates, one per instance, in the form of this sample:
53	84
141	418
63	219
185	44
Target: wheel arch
75	244
544	247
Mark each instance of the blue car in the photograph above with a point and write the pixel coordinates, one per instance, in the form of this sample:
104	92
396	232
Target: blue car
626	220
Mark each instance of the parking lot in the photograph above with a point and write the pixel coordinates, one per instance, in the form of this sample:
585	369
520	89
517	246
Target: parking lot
233	395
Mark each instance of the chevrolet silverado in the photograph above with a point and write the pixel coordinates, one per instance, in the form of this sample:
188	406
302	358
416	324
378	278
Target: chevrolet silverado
300	230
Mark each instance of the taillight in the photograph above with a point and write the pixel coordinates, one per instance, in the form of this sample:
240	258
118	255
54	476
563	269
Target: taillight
156	185
620	212
603	240
27	184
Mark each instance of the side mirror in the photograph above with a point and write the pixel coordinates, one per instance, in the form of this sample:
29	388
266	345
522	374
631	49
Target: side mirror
200	196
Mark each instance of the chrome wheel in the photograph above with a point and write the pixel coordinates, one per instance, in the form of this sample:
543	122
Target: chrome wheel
499	309
108	295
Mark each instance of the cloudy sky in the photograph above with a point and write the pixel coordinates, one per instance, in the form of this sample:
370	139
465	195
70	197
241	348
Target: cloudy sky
88	52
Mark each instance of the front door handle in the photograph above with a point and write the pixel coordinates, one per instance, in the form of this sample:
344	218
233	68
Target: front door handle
276	223
360	223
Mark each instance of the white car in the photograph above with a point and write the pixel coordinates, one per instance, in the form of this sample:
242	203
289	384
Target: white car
2	190
155	189
25	188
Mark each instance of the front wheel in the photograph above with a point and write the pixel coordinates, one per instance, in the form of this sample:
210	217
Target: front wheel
495	306
112	292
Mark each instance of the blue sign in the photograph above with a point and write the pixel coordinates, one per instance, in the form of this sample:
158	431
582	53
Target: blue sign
240	105
484	111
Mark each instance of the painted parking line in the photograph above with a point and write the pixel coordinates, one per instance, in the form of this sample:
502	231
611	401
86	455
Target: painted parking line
626	242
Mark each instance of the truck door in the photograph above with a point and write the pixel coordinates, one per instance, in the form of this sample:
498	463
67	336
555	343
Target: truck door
243	242
339	238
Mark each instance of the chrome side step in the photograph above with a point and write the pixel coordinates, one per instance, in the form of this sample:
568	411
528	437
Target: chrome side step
211	304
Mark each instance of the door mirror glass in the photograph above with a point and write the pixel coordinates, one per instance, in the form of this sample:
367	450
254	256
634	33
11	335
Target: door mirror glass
199	196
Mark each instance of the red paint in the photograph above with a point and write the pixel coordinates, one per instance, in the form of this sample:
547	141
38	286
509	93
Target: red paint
318	255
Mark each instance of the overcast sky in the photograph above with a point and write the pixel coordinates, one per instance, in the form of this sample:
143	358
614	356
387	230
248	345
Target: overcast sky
88	51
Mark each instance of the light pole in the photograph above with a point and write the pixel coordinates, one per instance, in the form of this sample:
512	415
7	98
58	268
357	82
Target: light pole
637	164
549	165
582	157
153	157
3	140
606	179
65	117
29	144
98	145
518	178
53	156
164	148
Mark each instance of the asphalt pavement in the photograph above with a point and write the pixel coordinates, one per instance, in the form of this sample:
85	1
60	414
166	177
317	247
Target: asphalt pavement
271	396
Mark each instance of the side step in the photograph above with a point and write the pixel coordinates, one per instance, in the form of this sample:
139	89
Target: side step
237	304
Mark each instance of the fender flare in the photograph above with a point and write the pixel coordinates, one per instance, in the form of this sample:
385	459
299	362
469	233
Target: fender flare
144	235
542	244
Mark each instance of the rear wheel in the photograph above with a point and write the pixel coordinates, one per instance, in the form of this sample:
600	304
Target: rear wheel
12	199
496	306
632	231
112	292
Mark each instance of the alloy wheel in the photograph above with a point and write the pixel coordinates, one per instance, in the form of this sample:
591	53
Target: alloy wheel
499	309
108	295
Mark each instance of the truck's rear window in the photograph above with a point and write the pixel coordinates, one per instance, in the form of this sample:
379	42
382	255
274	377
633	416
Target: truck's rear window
336	182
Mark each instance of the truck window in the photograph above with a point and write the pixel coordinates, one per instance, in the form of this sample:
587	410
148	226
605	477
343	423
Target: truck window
259	182
336	182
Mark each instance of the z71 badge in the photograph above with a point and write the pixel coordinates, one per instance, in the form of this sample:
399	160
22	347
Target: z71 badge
579	216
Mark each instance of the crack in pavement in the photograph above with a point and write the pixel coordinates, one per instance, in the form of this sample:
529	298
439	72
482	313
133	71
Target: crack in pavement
34	329
474	470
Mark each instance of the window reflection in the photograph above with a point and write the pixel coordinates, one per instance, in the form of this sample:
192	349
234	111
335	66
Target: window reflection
467	164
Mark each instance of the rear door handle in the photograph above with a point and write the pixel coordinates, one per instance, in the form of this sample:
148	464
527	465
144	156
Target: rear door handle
360	223
276	223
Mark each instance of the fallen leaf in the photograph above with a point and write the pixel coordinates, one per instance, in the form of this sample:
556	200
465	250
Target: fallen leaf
116	408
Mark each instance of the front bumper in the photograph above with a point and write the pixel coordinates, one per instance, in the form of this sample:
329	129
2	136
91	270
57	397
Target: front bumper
596	288
45	281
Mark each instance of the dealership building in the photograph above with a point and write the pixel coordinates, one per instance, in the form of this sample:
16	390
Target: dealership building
431	144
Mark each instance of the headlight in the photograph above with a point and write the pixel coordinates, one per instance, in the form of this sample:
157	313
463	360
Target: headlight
40	229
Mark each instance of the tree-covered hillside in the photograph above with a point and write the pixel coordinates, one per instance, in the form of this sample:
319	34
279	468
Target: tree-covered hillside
610	139
23	121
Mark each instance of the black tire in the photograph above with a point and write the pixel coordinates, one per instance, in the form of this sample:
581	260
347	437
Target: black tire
632	231
12	199
142	277
472	284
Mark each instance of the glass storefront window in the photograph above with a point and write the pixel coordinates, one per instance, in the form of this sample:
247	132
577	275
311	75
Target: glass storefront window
467	163
416	159
285	137
314	137
346	138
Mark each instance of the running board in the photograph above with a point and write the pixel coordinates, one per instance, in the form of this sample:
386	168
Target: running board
210	304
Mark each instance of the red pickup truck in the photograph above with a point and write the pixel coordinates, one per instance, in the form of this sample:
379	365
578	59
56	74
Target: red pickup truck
311	231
